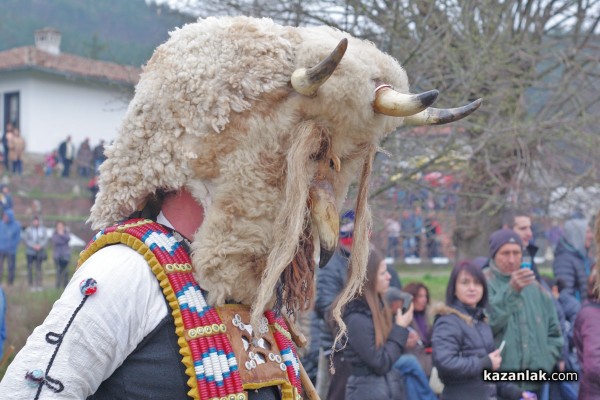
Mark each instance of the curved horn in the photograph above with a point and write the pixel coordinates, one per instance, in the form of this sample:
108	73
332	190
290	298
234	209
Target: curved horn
440	116
396	104
307	81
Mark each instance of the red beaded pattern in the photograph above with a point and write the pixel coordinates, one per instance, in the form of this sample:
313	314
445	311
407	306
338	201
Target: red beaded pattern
206	350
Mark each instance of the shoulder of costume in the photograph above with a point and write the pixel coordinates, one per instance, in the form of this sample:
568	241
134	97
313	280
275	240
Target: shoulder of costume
206	350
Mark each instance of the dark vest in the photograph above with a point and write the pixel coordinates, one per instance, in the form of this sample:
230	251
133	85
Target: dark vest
138	378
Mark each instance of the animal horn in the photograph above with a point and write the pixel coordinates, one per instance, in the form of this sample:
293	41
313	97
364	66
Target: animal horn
307	81
440	116
396	104
325	219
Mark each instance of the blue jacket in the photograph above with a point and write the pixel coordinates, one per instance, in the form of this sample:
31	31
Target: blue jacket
6	201
10	234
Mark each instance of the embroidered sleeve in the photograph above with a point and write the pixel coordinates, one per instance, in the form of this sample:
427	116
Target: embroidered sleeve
108	327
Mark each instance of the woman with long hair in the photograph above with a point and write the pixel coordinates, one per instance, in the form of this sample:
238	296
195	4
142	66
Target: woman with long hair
586	333
420	327
375	338
463	344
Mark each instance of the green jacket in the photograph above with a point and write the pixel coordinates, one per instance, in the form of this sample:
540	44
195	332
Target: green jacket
527	321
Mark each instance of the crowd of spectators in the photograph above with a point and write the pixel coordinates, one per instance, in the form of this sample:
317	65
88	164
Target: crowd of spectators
411	235
59	161
85	159
434	191
501	314
36	240
65	160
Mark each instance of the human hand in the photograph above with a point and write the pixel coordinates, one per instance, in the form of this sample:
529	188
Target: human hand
561	366
521	278
496	359
405	319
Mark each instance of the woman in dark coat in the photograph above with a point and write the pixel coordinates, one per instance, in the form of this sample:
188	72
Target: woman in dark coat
463	344
571	261
375	339
586	336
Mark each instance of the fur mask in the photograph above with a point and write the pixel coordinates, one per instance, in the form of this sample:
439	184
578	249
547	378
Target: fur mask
227	109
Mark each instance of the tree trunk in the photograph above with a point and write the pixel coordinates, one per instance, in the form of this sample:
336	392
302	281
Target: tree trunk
478	212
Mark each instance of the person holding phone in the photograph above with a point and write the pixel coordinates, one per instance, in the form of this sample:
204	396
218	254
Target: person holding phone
416	381
420	348
375	338
520	311
463	344
520	222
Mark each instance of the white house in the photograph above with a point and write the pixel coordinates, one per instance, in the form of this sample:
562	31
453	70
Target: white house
50	95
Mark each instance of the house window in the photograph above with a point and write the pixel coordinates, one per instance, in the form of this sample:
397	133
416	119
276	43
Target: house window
11	109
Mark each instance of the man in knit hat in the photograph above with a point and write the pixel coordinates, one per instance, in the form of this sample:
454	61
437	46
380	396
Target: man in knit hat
521	313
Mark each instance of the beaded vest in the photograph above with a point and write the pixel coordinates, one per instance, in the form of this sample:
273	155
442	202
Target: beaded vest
222	357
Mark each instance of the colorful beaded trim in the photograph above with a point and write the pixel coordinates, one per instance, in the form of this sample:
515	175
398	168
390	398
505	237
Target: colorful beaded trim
207	353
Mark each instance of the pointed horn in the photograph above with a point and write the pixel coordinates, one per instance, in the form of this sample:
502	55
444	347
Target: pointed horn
307	81
440	116
396	104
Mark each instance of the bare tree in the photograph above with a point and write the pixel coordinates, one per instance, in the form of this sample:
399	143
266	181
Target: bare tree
535	63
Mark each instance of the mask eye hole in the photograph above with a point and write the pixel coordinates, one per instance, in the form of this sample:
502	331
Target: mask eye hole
335	163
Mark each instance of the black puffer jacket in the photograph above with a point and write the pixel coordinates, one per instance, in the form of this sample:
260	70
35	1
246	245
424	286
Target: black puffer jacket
372	374
461	342
569	265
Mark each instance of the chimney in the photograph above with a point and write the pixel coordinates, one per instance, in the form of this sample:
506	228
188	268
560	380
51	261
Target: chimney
48	40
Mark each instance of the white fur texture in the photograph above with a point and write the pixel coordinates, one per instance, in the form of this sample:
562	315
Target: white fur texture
214	112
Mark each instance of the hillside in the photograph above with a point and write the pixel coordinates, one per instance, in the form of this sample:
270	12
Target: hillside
122	31
52	197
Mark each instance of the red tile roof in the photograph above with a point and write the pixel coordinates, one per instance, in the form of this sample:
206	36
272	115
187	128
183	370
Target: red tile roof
68	65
